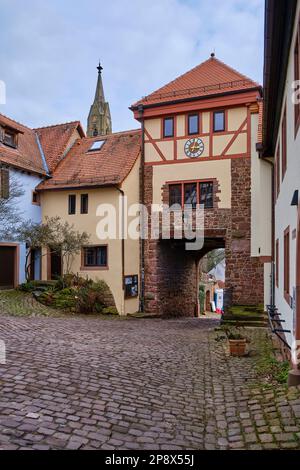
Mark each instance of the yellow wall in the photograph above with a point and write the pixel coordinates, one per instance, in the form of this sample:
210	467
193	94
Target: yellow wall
55	203
221	170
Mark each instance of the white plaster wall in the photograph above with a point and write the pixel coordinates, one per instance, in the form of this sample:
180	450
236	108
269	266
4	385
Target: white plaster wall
285	214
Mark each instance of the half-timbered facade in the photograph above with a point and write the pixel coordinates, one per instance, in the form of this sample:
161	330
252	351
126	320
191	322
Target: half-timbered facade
199	139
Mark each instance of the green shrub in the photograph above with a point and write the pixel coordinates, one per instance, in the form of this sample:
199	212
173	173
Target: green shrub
202	298
28	286
77	294
110	311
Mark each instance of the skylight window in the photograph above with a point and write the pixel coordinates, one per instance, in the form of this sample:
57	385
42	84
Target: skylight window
96	145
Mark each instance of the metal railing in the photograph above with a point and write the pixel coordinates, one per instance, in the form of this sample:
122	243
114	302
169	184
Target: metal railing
276	324
203	89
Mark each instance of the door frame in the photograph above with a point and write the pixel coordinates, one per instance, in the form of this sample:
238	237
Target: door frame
49	264
16	260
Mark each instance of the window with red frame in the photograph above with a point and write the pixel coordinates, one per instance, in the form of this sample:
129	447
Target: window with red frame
287	264
283	145
192	193
277	263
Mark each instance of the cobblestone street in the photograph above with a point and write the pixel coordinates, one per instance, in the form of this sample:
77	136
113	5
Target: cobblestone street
88	383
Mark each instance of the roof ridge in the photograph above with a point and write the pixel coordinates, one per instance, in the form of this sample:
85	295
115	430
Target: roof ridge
105	136
199	66
56	125
16	122
235	71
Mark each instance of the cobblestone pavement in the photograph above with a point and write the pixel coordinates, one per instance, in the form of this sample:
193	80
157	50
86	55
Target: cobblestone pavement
87	383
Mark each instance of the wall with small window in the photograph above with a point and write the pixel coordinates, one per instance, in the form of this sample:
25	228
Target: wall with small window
185	173
99	259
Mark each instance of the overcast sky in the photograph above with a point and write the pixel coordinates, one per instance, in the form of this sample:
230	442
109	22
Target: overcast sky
49	51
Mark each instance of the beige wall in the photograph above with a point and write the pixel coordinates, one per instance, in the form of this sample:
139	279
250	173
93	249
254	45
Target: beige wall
221	170
261	199
132	247
55	203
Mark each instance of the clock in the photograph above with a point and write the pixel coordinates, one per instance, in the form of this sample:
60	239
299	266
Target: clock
194	148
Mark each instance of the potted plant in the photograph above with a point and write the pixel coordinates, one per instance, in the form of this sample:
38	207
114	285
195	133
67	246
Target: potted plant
236	339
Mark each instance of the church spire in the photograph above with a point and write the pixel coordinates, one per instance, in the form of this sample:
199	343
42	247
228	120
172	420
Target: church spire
99	120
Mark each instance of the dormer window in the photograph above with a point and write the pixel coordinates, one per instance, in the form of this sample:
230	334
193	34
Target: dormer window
10	138
96	146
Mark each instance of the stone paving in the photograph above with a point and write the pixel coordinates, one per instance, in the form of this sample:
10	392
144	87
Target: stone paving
89	383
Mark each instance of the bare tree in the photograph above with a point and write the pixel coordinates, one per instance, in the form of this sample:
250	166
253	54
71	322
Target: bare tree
60	236
10	214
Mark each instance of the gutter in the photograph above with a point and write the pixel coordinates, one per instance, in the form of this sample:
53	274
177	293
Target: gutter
197	98
42	154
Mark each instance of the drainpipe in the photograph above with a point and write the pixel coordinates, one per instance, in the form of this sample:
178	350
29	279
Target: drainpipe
142	201
123	240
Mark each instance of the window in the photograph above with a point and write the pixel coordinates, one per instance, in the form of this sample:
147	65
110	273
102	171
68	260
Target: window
131	284
192	193
96	146
84	203
175	194
277	263
72	204
206	195
4	184
287	264
219	121
284	144
193	124
35	198
10	138
95	257
297	78
169	127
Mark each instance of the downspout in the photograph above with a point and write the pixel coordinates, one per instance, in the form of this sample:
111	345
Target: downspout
142	201
122	241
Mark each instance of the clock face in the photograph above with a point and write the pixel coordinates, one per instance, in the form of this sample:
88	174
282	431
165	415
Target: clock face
194	148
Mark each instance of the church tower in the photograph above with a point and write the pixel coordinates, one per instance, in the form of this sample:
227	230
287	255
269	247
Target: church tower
99	120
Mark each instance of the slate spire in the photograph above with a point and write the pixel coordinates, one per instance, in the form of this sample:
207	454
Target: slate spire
99	120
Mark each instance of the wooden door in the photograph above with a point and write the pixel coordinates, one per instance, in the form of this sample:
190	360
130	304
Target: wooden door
7	267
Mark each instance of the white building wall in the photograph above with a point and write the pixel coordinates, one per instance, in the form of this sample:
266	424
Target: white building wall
285	214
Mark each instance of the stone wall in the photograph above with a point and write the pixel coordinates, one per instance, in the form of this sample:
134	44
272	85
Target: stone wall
170	271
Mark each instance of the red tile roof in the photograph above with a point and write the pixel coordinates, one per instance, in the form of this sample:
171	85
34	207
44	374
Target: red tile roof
107	166
55	140
27	155
209	78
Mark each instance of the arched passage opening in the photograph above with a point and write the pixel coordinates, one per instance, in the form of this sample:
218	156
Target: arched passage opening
179	275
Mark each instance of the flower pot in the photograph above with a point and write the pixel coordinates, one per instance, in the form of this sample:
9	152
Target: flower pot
237	347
